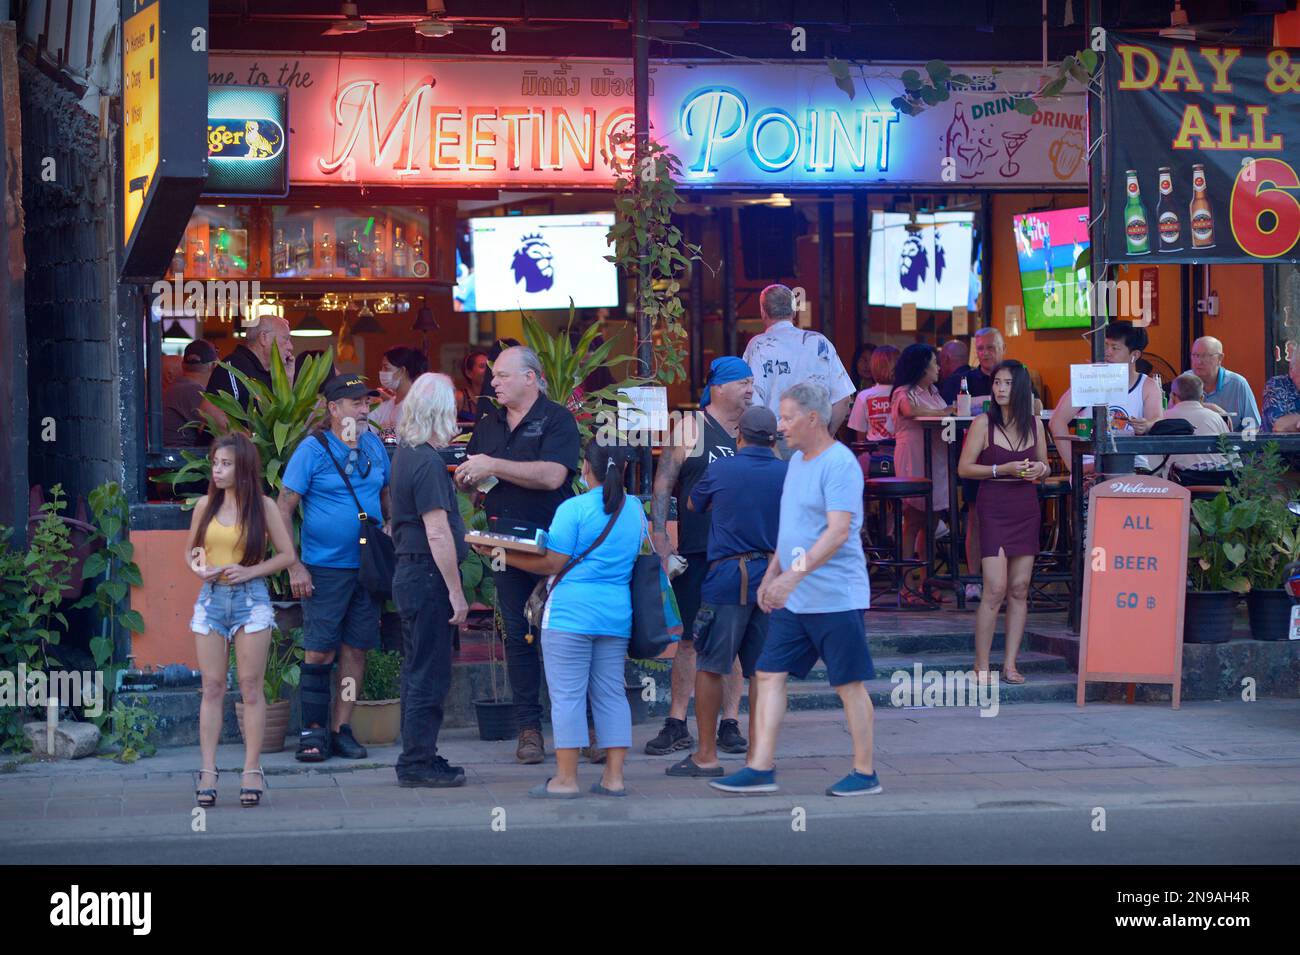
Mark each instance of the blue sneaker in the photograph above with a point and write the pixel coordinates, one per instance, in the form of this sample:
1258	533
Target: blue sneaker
856	784
747	781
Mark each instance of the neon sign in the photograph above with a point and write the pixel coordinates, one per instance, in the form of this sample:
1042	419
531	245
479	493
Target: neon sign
774	139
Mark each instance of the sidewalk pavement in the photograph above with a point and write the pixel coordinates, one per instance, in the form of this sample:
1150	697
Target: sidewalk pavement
934	760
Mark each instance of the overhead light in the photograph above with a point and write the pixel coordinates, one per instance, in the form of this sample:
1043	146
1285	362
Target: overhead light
350	23
311	327
366	322
432	25
175	333
778	199
1178	28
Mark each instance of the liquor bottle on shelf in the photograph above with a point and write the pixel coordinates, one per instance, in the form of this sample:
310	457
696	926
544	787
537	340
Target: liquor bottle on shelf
401	256
354	255
1137	233
419	266
326	255
1199	212
280	254
302	253
963	400
378	265
1168	226
200	260
221	253
178	259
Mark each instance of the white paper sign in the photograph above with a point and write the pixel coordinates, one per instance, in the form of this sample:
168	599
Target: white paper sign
1102	384
647	410
960	322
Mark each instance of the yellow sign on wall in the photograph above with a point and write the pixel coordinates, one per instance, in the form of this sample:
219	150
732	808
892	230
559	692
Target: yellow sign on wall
140	114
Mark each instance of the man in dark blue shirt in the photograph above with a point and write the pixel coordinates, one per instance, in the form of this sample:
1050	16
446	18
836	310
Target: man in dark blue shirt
743	495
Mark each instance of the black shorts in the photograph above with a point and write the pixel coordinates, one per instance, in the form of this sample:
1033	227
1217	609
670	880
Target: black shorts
732	631
339	610
686	588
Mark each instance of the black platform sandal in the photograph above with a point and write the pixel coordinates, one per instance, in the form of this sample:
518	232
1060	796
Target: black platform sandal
252	797
205	798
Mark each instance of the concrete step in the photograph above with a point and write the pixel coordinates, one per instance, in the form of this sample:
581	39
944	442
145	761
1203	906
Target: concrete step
1037	688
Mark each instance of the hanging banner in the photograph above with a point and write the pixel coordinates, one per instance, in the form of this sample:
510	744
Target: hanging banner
510	122
1203	144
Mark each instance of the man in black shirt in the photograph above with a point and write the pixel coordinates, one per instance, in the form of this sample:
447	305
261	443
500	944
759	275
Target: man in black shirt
253	358
529	445
727	393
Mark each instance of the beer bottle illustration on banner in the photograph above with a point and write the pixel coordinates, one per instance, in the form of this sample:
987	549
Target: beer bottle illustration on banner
1136	231
1168	226
1201	216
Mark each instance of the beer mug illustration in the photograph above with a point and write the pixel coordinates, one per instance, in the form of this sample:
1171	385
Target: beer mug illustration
1066	154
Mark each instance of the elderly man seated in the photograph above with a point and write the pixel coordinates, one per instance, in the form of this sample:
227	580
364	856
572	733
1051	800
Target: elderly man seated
1186	394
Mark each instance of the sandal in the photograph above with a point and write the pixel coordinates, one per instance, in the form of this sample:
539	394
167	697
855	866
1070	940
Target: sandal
205	798
252	797
313	745
1012	675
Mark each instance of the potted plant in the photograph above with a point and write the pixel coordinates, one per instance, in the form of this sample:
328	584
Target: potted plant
496	717
1216	555
1271	544
377	716
283	671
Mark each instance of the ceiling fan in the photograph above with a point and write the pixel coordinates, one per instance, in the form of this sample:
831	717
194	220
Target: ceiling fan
1181	29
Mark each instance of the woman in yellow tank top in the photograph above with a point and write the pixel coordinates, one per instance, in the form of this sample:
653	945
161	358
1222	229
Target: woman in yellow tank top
226	549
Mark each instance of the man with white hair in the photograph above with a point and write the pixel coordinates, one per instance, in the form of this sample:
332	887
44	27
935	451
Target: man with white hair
524	454
1185	401
816	591
1226	389
784	356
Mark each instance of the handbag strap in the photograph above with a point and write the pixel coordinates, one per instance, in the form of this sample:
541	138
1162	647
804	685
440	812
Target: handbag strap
574	561
361	511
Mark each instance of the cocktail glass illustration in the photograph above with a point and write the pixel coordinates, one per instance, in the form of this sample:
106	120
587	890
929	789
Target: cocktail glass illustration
1012	141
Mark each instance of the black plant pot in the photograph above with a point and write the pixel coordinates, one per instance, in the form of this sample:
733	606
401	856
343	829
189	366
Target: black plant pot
639	707
1270	614
1208	614
496	720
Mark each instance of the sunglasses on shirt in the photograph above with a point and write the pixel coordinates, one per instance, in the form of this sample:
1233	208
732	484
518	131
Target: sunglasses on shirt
353	465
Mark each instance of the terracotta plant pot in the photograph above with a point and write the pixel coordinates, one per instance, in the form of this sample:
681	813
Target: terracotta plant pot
377	722
277	725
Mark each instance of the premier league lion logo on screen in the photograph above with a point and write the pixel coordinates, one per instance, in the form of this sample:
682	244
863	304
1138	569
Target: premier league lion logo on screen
914	262
533	264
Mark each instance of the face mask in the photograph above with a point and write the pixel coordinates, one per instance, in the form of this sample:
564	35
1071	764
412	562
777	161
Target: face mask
390	379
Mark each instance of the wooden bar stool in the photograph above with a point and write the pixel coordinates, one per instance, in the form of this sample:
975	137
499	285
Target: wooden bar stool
889	492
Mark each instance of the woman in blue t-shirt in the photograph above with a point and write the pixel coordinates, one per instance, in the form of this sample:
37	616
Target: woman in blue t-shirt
588	620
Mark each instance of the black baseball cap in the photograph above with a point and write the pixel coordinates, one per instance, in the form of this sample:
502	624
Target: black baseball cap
199	352
347	386
759	423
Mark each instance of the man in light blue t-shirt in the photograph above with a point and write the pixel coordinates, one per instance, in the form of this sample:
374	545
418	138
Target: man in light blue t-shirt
1223	388
816	590
339	617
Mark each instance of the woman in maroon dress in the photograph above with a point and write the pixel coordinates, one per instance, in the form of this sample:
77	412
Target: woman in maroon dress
1007	450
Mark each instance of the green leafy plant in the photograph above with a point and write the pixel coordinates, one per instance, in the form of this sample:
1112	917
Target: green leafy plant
1273	540
383	680
475	570
1217	543
130	727
283	664
649	248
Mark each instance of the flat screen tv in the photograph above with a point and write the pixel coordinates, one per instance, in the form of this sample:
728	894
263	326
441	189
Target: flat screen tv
924	259
540	262
1047	244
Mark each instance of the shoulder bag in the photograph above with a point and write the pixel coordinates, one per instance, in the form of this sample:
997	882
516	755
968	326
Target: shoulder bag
535	608
378	552
656	621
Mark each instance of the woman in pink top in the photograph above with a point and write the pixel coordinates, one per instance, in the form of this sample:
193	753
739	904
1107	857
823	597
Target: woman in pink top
914	397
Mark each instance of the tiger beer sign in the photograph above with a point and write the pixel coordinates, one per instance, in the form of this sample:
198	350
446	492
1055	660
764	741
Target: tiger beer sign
248	141
1203	146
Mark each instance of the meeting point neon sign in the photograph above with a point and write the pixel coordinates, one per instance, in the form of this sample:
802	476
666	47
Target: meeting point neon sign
828	140
422	134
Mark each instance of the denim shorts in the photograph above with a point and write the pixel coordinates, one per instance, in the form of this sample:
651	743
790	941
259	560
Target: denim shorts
795	641
227	607
339	610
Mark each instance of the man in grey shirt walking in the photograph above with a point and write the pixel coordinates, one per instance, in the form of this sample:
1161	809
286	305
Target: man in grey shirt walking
816	590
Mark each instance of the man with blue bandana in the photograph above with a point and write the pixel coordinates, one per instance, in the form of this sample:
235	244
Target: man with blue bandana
700	439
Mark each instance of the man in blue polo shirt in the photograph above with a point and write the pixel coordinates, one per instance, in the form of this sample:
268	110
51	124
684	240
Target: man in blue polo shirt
1223	388
743	497
339	617
816	590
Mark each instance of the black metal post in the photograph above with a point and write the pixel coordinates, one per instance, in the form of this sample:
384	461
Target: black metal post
727	230
861	262
826	257
641	125
695	227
